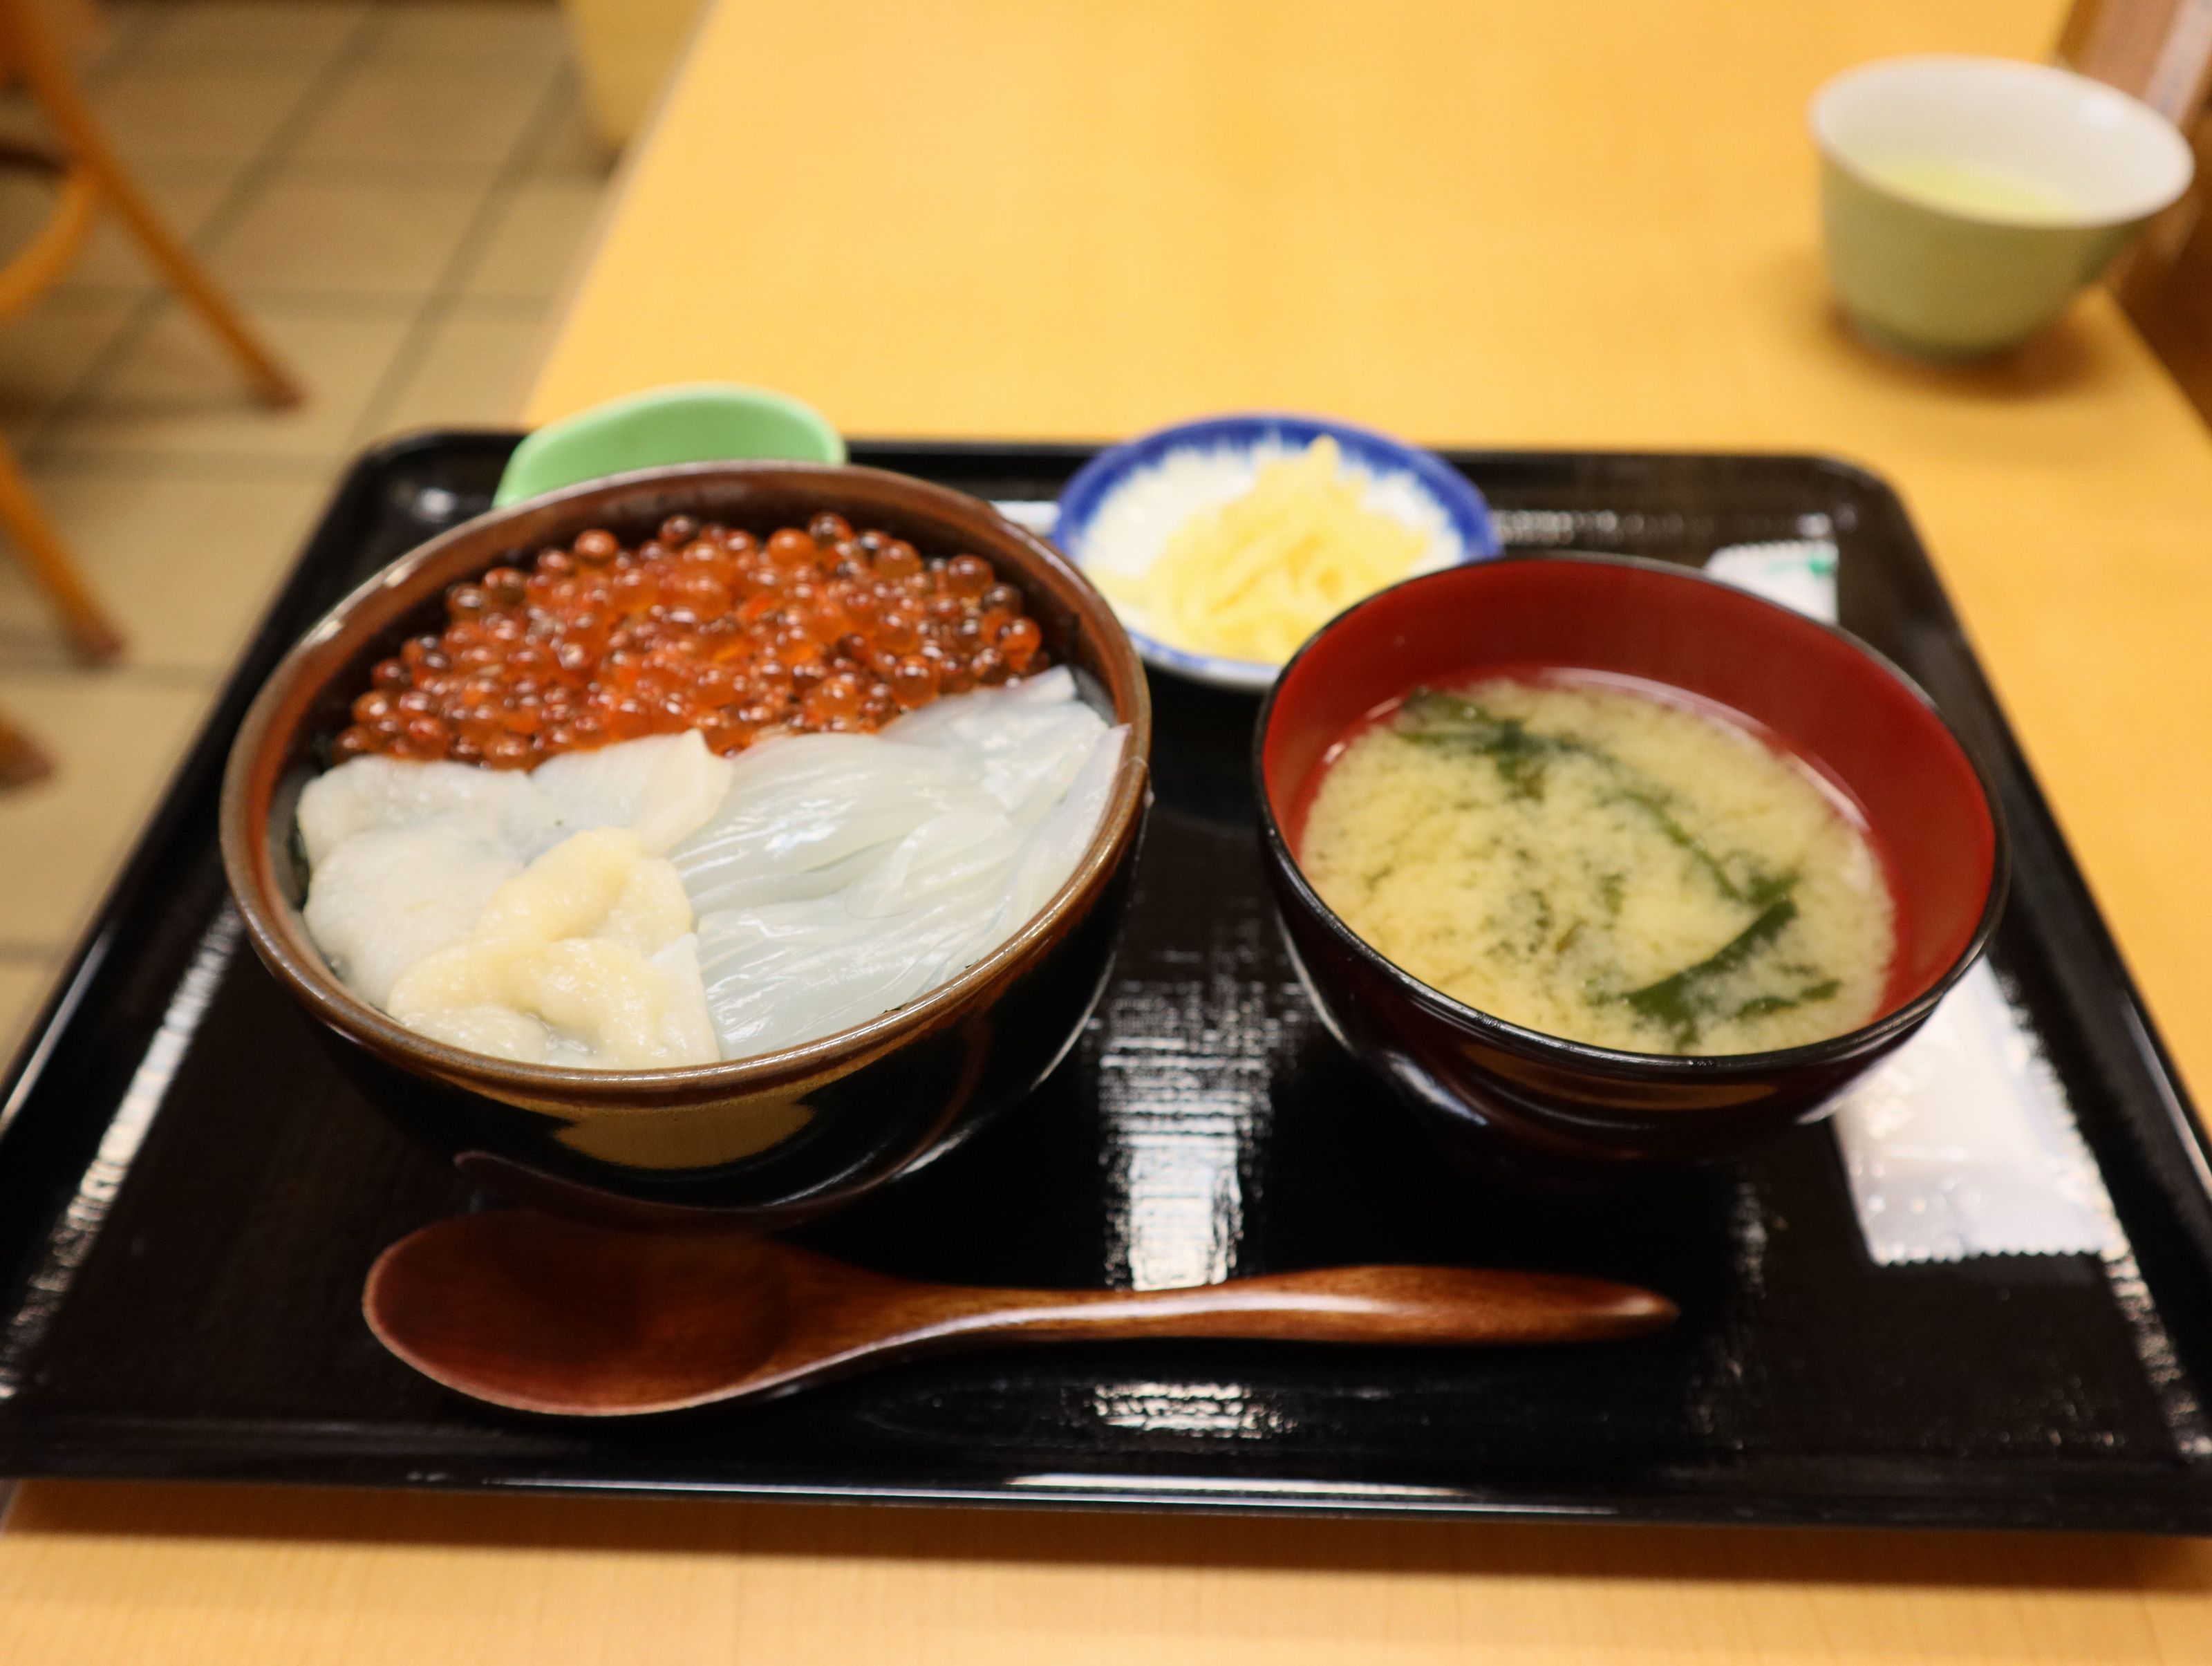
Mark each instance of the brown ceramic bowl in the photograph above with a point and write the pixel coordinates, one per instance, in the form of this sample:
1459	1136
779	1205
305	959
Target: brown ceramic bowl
772	1138
1489	1086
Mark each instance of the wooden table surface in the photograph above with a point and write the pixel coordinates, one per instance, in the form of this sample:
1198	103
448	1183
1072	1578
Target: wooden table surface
1582	222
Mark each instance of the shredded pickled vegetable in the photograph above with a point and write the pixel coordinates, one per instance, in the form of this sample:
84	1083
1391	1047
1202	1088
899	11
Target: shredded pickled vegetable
1253	578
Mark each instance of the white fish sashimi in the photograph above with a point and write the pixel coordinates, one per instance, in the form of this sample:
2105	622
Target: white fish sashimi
368	794
386	898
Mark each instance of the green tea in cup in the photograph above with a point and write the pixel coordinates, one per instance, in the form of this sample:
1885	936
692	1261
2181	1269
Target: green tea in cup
1976	190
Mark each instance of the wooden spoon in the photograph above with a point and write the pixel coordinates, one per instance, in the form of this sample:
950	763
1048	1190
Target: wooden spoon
540	1314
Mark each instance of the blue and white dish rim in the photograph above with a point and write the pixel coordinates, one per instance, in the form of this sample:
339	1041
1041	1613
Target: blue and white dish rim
1464	508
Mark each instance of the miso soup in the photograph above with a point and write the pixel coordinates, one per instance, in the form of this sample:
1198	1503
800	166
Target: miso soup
1585	858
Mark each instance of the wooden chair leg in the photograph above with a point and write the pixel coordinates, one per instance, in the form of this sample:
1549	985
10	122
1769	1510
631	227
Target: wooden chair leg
53	566
47	72
22	760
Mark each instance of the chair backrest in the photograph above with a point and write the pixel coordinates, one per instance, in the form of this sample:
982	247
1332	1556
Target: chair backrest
70	25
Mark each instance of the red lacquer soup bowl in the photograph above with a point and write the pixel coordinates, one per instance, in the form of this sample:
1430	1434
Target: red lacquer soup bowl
1485	1083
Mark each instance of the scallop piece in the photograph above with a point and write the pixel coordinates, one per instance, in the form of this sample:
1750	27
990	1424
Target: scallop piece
687	786
384	899
663	786
426	901
594	1001
367	794
651	911
566	892
501	1032
628	1010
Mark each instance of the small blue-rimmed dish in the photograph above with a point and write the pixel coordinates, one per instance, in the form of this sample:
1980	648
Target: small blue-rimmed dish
1409	485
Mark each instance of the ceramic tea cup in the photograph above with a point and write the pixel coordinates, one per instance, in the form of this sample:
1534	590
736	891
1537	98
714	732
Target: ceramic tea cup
1965	201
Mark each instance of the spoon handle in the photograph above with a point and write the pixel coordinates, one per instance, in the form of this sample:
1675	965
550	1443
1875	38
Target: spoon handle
1397	1305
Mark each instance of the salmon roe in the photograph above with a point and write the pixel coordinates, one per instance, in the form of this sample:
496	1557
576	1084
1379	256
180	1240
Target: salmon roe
701	627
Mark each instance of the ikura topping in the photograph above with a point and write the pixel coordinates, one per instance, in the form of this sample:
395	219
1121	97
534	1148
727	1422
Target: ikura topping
702	627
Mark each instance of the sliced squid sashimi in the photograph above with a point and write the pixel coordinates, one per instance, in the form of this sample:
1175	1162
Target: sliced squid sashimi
1057	844
785	982
771	885
971	847
1043	751
813	801
1027	740
959	720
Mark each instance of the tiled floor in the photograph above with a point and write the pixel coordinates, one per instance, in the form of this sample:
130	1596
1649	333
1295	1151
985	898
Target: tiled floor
396	193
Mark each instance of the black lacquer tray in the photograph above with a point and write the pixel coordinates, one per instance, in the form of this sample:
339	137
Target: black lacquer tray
189	1196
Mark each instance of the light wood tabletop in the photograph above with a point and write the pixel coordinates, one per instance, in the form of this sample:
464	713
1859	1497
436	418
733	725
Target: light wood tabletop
1586	222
